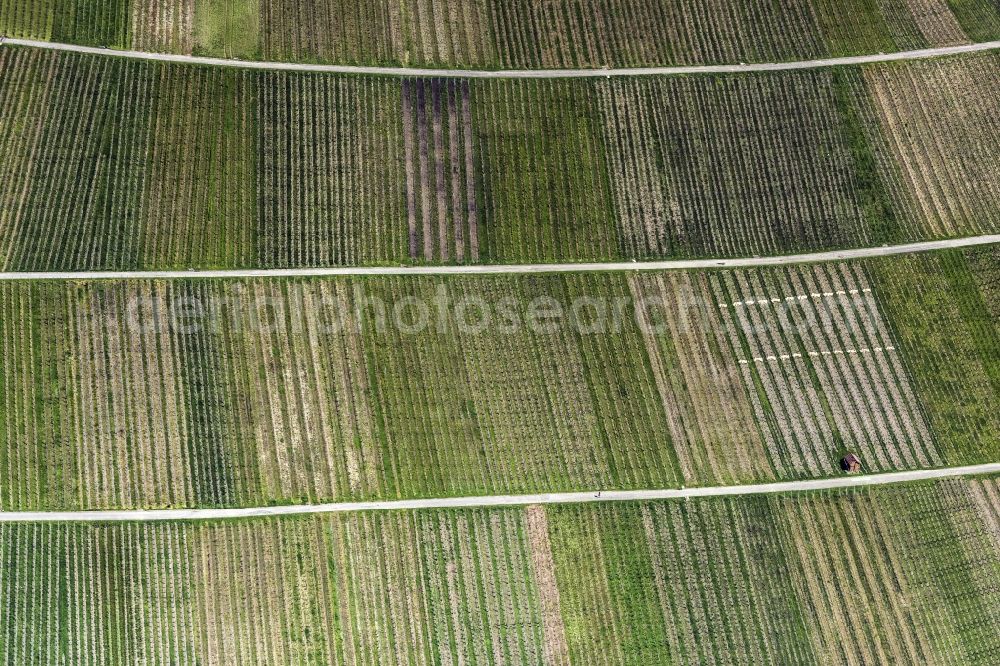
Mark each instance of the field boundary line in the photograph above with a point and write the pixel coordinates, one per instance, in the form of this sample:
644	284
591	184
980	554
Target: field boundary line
816	354
513	73
797	297
494	269
156	515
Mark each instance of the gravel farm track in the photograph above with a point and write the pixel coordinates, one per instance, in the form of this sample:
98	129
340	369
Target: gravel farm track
516	74
500	500
494	269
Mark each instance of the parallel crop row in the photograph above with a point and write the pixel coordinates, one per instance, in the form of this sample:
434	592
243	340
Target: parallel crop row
91	22
545	190
123	164
943	310
821	352
108	163
736	580
764	580
441	193
329	175
698	378
726	166
942	163
163	25
567	34
153	393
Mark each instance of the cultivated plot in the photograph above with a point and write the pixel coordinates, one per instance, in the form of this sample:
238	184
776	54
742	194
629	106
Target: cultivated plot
442	213
698	379
942	309
329	176
163	25
814	344
118	164
671	140
940	157
748	580
245	392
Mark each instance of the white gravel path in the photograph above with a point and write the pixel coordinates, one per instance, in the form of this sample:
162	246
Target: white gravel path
488	269
515	74
845	481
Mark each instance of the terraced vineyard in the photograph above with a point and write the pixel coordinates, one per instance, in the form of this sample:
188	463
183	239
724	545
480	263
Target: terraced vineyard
107	163
748	580
507	33
239	393
244	392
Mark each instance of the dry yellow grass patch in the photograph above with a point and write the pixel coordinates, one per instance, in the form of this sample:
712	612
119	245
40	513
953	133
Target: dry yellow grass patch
556	648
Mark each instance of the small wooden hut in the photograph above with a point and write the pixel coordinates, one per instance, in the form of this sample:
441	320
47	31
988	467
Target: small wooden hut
850	463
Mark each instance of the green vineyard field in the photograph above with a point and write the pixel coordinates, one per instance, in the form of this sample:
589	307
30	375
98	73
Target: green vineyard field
245	392
735	580
445	348
113	164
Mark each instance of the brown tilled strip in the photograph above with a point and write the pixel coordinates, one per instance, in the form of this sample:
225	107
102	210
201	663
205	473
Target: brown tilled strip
411	200
543	565
470	173
937	23
440	188
458	221
424	152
